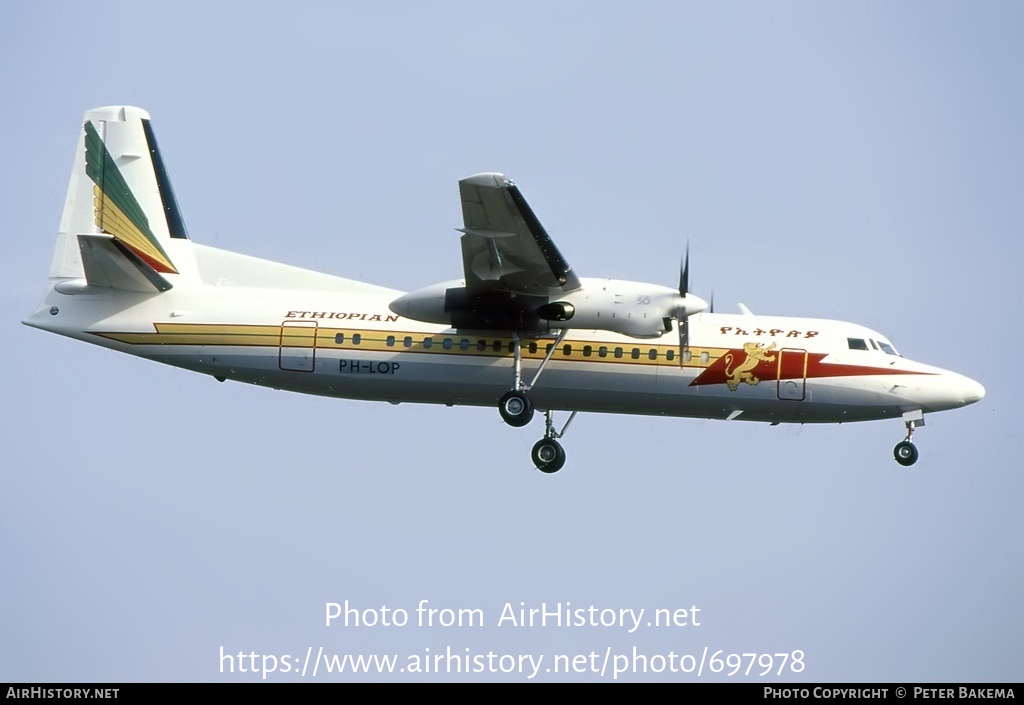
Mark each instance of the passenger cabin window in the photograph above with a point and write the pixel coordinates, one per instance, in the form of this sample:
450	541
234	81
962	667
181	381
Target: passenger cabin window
446	343
427	342
339	339
407	341
390	341
463	344
857	343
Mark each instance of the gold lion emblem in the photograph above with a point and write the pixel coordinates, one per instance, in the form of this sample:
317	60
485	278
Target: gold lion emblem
756	353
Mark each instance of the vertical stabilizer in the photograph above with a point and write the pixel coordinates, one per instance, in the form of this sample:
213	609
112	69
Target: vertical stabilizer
121	227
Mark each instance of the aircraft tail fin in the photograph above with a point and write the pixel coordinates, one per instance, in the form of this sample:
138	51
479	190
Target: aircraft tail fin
121	227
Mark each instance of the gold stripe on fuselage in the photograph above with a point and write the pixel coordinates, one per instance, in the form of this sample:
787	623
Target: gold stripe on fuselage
383	341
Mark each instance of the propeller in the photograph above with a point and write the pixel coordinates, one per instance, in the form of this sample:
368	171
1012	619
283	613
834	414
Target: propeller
687	304
682	316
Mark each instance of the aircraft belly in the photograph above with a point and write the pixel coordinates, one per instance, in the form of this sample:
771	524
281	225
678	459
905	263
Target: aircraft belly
439	379
466	380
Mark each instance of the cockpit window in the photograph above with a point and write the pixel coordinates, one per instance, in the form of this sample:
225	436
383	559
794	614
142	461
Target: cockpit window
857	343
887	349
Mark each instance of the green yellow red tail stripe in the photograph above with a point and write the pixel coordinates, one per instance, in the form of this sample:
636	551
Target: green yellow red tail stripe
118	212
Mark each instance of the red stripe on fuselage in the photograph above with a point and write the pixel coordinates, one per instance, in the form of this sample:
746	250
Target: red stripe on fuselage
732	367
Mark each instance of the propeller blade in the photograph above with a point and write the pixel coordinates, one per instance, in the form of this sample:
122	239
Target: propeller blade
682	318
684	273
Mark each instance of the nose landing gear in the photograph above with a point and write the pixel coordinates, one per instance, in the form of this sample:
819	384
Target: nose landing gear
905	451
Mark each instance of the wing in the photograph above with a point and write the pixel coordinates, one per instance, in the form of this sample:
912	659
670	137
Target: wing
505	248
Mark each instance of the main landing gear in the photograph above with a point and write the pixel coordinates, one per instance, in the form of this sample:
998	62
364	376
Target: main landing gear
905	451
548	454
516	409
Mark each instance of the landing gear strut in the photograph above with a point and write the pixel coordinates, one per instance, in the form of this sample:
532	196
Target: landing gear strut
905	451
548	454
516	409
515	406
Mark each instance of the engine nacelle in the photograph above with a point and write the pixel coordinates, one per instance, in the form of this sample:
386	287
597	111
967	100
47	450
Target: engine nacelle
426	304
635	309
448	303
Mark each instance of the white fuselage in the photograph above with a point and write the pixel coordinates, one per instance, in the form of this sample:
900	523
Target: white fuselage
277	326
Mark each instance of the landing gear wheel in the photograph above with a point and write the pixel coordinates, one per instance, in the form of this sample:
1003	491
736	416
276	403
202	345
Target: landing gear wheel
905	453
515	408
548	455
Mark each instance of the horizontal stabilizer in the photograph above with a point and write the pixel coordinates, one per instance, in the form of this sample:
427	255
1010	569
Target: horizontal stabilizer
110	264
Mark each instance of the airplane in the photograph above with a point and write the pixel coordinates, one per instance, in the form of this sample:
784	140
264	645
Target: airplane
126	275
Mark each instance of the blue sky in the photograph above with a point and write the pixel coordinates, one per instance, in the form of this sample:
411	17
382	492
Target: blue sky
859	161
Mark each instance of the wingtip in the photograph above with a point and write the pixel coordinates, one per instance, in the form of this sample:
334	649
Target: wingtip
490	179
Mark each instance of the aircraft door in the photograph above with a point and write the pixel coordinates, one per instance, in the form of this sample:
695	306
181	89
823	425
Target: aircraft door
297	347
792	374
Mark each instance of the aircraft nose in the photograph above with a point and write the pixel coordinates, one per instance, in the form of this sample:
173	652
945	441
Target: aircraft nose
961	391
971	391
946	390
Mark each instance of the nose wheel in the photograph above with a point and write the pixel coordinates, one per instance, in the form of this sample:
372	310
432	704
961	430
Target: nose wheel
905	451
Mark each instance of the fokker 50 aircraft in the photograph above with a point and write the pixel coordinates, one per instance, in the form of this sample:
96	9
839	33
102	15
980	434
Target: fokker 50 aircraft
521	331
